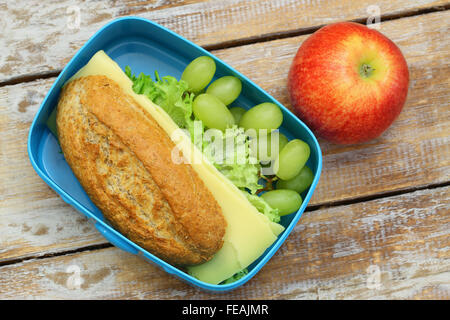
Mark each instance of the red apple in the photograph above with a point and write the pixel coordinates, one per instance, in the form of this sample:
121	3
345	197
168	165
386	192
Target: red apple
348	82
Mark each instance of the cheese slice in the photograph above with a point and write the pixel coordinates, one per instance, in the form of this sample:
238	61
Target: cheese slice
249	233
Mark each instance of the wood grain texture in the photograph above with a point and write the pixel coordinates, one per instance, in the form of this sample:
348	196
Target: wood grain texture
31	215
413	153
393	248
38	37
401	158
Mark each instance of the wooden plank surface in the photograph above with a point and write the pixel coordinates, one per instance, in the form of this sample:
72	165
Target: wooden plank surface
415	150
391	247
38	37
395	248
412	154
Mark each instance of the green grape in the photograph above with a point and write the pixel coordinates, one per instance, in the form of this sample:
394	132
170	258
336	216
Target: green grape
237	113
264	148
227	89
263	116
292	159
300	182
286	201
199	73
212	112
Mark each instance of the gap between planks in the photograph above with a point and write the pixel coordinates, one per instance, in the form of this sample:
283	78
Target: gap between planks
106	245
251	40
309	30
376	196
322	259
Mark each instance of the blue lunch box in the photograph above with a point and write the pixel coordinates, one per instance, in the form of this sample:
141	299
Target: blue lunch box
146	46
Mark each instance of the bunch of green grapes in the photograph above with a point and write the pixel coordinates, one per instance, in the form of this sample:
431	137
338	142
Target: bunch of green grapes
211	107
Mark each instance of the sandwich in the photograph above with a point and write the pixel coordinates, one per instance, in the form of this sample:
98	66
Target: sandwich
203	217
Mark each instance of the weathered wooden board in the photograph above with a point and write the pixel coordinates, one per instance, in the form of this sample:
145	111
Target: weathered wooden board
394	248
30	211
38	37
401	158
413	153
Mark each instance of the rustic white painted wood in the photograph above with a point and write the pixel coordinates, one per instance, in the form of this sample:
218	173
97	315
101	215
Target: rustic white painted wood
332	253
37	37
394	248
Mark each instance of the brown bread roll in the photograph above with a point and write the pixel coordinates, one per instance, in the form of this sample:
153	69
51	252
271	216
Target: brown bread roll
122	158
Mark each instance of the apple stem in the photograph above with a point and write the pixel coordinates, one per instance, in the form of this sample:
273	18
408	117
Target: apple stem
366	70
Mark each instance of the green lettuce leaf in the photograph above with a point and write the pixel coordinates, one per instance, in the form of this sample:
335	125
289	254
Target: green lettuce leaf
236	162
168	93
236	276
